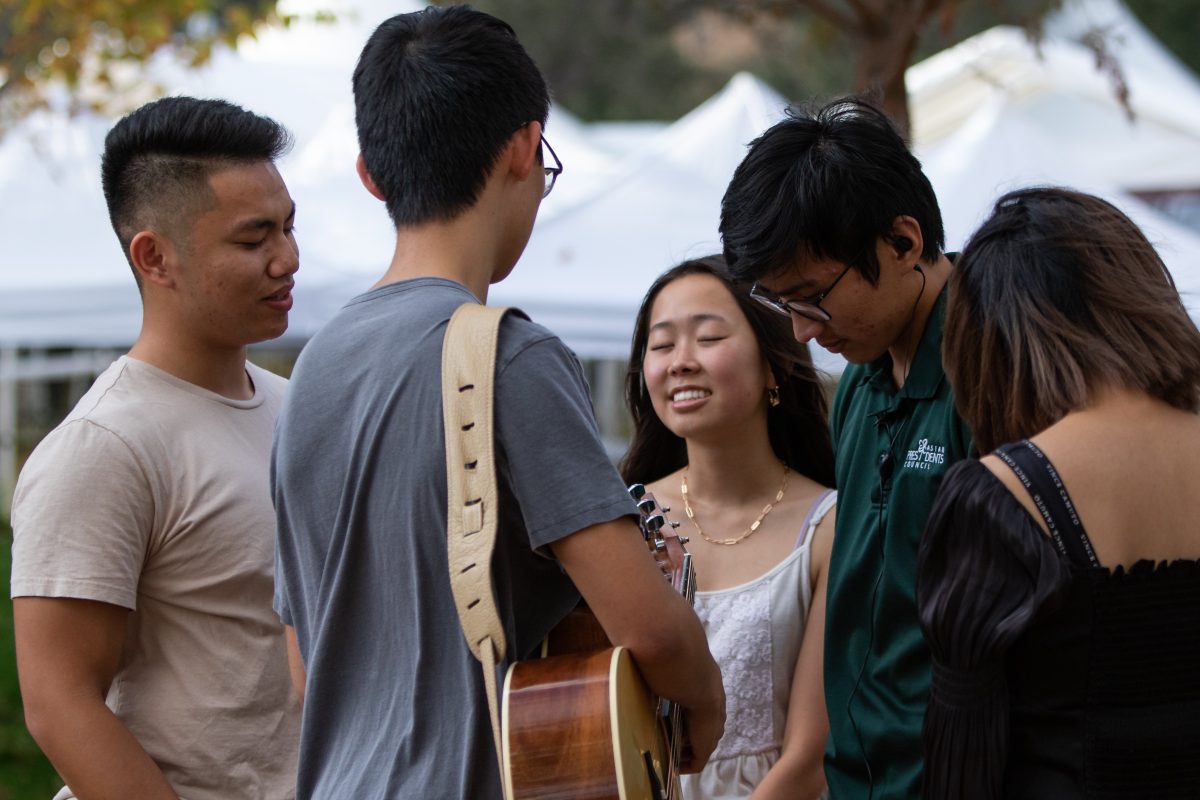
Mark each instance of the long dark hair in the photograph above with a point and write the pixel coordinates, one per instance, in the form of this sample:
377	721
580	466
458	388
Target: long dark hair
798	427
1056	295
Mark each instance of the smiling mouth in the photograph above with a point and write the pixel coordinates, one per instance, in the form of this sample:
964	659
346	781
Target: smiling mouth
690	394
282	294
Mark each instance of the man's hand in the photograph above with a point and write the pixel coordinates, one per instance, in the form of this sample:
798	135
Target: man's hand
704	730
640	611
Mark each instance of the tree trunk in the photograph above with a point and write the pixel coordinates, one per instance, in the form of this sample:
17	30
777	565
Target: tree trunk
881	55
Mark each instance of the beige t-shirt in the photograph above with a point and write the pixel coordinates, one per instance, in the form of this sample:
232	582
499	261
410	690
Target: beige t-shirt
154	495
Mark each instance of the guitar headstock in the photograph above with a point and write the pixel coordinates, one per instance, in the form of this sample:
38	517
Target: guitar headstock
664	541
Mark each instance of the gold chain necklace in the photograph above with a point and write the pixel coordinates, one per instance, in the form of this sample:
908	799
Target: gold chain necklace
687	508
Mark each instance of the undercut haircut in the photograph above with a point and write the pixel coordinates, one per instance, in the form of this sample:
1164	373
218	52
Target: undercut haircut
158	159
1058	295
798	428
438	93
825	184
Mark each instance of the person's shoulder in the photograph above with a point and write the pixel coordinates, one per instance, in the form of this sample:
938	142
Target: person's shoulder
957	429
115	398
85	452
969	477
521	329
519	335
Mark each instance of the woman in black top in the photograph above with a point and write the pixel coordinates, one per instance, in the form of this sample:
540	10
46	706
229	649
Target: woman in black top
1058	583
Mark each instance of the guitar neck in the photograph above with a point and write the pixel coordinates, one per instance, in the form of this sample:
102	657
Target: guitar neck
687	586
676	563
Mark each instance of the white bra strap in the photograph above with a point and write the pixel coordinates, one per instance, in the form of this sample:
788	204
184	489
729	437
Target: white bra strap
824	502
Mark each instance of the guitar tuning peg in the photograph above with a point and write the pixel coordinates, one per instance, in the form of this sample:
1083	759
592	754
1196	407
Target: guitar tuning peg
666	509
684	539
673	523
637	491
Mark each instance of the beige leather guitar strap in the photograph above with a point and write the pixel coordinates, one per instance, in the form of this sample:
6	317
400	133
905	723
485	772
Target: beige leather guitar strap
468	370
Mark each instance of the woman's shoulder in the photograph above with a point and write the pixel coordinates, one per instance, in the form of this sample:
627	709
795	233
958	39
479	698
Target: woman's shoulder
971	481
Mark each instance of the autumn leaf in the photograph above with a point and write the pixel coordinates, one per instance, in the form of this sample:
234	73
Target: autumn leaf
76	43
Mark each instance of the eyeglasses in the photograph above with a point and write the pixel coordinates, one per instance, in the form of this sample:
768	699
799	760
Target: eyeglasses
552	173
809	309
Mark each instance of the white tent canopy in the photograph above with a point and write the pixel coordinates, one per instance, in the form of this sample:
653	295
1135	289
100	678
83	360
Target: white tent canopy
994	152
591	258
1054	86
627	207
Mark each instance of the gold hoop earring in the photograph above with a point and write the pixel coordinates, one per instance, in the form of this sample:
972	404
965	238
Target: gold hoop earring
773	396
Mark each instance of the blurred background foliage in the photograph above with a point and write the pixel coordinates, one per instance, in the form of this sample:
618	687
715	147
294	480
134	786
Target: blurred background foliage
606	59
658	59
95	49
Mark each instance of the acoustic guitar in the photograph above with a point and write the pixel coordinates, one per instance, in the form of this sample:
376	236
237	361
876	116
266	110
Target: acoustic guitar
580	722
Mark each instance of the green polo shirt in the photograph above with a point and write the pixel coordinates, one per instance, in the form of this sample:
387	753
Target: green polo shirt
876	662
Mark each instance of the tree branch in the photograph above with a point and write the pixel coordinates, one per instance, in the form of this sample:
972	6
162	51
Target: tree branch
839	18
863	11
928	7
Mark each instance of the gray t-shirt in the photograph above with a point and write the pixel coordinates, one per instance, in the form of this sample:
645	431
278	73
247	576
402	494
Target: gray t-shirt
395	704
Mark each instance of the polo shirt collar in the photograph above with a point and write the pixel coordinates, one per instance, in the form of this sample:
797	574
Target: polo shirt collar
926	373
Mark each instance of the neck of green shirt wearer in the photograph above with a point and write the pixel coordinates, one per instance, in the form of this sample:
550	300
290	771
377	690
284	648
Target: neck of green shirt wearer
904	348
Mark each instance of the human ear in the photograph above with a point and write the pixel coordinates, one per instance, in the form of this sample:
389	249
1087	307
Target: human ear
905	241
524	147
360	165
771	382
152	256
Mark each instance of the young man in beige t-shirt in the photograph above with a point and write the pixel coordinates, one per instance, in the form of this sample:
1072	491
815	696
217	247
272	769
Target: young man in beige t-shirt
150	660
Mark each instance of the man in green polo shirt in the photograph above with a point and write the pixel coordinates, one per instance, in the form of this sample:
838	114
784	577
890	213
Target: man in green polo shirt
832	217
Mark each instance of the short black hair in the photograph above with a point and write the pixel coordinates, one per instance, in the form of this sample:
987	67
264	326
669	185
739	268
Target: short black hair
437	95
825	184
157	159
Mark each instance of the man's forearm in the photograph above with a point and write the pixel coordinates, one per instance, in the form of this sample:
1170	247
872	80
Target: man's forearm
679	665
95	753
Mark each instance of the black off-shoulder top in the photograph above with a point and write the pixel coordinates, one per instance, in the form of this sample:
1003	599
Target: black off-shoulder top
1053	676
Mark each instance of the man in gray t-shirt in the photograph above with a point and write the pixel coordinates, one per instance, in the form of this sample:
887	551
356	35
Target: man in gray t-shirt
449	109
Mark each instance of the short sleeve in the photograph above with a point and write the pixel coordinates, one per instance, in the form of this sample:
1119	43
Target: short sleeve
82	516
984	572
561	477
279	600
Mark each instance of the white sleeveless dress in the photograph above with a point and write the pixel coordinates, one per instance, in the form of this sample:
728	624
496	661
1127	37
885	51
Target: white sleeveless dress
754	631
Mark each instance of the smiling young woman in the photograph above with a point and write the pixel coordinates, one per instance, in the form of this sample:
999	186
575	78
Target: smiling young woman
730	428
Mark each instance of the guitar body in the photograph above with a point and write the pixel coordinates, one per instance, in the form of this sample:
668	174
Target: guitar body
582	726
579	723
